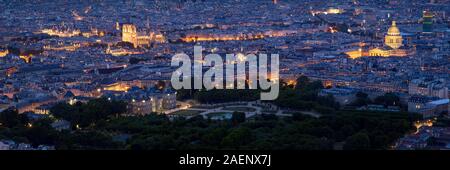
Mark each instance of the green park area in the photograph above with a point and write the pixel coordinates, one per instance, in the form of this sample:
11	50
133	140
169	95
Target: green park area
187	113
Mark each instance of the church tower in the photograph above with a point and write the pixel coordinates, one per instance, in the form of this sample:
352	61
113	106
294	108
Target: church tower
393	38
129	34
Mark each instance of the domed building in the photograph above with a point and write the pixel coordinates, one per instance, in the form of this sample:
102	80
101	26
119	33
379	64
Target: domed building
393	46
393	38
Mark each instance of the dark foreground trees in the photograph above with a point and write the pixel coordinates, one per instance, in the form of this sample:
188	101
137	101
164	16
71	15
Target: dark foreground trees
86	114
356	130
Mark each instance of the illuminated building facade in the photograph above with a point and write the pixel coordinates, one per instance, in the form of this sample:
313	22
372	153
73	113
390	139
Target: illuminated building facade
26	58
393	38
61	32
435	88
155	104
62	47
241	37
130	34
43	109
121	51
393	46
33	104
4	53
328	11
145	101
93	32
117	87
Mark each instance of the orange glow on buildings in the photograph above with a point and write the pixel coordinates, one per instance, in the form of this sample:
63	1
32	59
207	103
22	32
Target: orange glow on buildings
424	123
392	43
121	52
131	35
198	38
4	53
355	54
334	11
235	37
291	83
26	58
93	32
328	84
332	29
328	11
61	33
72	47
119	87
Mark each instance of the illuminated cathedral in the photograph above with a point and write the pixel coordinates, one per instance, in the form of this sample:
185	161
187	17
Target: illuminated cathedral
131	35
393	46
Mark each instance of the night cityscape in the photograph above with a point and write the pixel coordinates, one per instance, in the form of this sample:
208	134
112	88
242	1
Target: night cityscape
98	75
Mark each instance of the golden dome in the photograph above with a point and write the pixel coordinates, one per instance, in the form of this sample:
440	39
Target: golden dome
393	30
393	38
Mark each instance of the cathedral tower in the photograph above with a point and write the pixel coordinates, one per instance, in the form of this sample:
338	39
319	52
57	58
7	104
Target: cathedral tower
129	34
